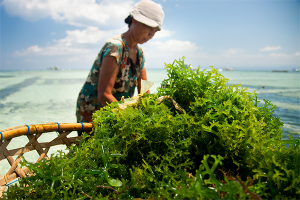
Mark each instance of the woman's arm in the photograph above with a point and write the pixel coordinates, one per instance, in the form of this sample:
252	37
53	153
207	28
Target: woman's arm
143	76
107	77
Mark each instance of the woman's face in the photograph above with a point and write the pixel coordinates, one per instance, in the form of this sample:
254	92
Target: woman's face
141	32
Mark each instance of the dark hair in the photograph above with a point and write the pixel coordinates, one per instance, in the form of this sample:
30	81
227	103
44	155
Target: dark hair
128	20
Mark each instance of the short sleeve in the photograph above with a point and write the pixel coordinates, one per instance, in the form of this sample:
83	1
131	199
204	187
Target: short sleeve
142	58
113	48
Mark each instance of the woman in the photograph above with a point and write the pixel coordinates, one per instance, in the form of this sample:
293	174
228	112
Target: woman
120	64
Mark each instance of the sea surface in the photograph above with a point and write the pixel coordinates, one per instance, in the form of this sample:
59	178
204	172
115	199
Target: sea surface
38	97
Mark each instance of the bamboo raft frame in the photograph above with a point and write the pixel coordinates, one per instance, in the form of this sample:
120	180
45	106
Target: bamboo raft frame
33	132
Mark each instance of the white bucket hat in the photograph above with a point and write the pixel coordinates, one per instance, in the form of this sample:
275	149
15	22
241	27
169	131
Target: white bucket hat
149	13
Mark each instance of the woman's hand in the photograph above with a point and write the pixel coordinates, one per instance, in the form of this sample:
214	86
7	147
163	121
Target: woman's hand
107	77
143	76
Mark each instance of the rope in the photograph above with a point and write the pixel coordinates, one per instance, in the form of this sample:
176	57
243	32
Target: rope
82	127
58	126
28	129
12	182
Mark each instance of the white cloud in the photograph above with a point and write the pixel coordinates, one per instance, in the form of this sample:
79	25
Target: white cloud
172	46
247	60
163	33
268	48
90	35
81	13
284	55
34	49
73	12
51	51
279	55
79	42
297	54
157	52
76	42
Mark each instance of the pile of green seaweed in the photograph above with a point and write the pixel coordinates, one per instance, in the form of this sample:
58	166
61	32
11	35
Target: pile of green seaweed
207	140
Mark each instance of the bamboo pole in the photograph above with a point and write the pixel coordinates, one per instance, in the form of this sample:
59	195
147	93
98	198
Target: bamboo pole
42	128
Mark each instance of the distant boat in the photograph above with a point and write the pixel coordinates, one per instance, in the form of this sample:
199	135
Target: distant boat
280	70
296	70
229	69
53	68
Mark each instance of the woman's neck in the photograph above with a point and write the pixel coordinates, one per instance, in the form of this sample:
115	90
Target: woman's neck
130	40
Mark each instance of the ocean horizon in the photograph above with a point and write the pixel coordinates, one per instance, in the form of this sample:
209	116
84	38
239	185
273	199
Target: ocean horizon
256	68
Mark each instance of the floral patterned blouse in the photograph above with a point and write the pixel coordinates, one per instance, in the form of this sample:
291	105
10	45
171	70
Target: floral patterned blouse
126	80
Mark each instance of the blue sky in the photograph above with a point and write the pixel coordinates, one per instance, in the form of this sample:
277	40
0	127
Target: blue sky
68	34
